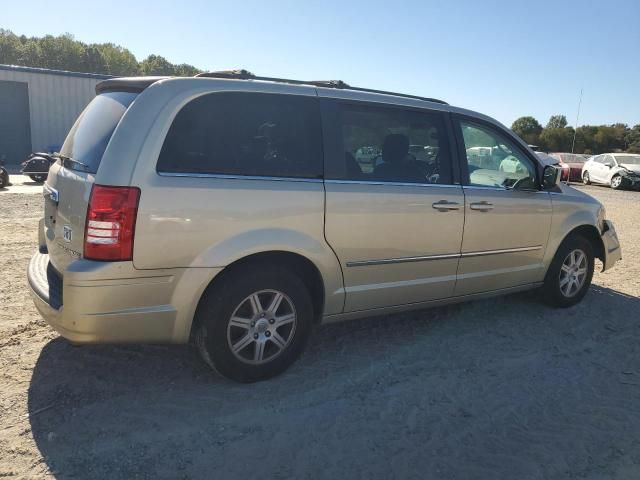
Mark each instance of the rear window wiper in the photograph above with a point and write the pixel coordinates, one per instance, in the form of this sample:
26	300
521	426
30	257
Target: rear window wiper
64	159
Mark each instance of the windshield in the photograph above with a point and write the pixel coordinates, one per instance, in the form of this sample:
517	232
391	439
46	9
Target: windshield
89	136
628	159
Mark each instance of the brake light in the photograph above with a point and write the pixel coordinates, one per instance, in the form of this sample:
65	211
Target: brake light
111	221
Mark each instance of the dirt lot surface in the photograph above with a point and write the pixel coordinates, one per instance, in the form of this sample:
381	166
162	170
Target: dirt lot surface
500	389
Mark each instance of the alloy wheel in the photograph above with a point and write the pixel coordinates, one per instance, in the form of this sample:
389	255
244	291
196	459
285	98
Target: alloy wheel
573	273
616	181
261	327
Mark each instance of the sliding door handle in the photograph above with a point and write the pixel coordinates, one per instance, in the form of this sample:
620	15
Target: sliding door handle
481	206
445	206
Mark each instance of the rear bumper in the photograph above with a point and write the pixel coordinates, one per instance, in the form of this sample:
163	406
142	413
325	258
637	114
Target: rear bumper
112	302
611	244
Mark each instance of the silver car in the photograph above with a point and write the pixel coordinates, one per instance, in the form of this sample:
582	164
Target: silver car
236	212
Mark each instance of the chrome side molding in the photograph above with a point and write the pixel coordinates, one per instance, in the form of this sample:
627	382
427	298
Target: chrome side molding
446	256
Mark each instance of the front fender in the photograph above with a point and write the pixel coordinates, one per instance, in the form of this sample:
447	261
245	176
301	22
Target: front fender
612	172
570	213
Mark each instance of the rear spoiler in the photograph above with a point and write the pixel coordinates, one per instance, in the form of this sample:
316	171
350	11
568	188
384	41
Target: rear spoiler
126	84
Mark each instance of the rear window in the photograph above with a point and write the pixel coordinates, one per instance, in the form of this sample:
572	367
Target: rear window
248	134
88	138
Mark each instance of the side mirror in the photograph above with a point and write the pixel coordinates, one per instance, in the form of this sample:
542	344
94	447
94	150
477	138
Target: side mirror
608	164
551	176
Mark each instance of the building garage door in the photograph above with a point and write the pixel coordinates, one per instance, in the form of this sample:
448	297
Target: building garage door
15	126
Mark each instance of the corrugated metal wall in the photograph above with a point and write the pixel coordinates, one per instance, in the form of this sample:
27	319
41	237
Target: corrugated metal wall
55	103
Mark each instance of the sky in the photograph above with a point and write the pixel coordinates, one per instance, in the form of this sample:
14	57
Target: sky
502	58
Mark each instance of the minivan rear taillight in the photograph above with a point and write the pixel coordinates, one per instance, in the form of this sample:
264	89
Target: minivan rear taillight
111	221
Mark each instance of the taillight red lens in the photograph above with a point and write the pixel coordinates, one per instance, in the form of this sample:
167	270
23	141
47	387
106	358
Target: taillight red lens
111	222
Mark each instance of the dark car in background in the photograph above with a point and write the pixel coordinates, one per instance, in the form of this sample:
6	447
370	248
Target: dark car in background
571	161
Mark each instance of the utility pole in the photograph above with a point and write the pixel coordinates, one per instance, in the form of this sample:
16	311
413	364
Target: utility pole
575	130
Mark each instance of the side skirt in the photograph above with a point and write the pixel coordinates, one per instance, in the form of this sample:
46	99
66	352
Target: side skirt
375	312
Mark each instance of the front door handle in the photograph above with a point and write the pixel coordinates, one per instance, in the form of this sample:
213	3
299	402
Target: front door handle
445	206
481	206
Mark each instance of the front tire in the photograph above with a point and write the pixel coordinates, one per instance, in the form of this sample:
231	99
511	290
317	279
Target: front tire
616	182
570	273
586	179
254	323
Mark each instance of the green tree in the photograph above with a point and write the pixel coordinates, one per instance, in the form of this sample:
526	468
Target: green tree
557	121
156	65
557	139
632	137
118	60
528	129
585	139
64	52
186	70
94	61
9	47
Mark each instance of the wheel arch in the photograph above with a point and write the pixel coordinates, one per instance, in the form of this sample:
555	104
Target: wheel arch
307	270
590	233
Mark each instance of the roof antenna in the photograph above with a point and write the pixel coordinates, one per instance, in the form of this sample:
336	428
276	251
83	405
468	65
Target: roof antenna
575	131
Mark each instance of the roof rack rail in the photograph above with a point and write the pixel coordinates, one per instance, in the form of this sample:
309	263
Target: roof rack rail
242	74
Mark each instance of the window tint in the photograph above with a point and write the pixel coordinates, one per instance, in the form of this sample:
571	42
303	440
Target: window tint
495	161
392	145
89	136
245	134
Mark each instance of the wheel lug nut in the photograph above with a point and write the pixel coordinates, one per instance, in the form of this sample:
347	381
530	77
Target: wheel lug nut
262	315
267	333
253	324
272	321
255	335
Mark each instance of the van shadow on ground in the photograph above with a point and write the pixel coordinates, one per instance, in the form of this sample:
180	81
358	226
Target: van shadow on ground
504	388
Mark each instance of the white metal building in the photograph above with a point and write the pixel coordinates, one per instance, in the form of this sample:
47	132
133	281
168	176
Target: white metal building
38	107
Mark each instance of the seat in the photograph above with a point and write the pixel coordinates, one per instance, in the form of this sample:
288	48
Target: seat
395	167
354	172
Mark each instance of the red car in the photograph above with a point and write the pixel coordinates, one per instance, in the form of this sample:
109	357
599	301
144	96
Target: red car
571	161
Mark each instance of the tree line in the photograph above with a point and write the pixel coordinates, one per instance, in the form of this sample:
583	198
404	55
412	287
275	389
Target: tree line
64	52
558	136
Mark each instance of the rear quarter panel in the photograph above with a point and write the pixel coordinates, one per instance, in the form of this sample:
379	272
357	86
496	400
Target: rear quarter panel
204	222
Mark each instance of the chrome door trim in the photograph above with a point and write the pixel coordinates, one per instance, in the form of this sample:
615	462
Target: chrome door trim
445	256
397	184
239	177
383	261
503	189
482	253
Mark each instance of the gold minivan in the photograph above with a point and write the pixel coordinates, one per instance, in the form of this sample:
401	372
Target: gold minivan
238	212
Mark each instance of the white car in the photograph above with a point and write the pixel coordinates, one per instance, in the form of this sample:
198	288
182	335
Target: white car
614	169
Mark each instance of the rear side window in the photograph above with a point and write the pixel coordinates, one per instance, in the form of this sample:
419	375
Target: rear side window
390	144
88	138
249	134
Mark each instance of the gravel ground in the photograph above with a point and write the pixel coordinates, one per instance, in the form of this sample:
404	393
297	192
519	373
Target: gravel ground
506	388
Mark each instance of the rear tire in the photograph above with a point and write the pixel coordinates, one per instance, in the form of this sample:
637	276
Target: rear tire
616	182
3	180
241	335
586	179
570	273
